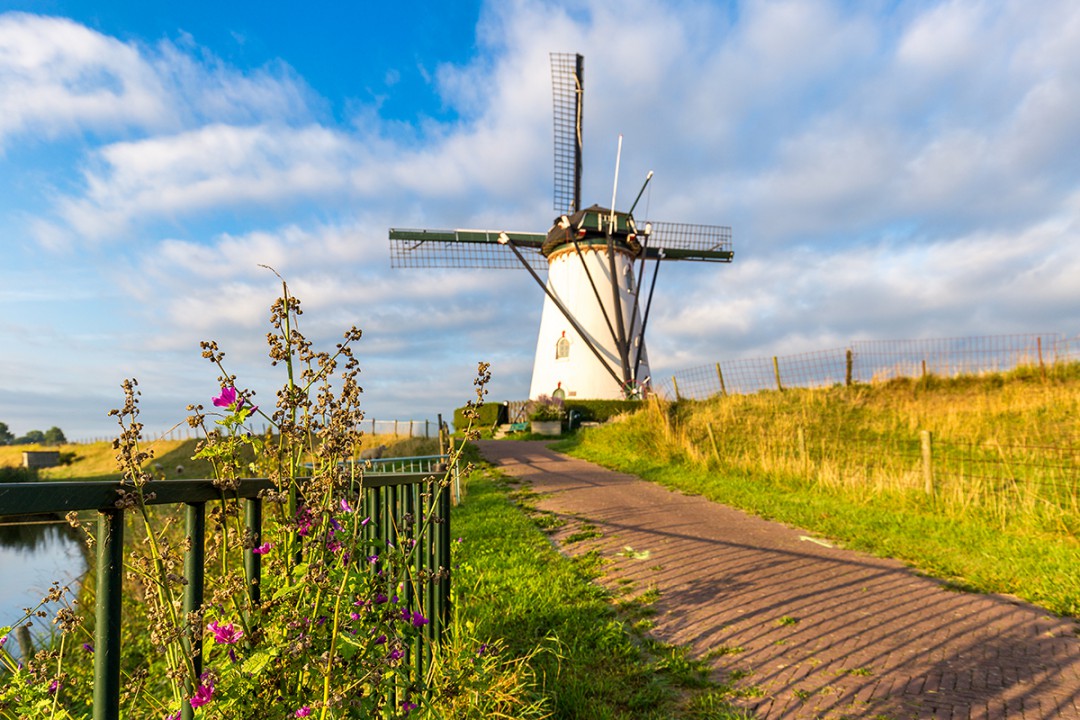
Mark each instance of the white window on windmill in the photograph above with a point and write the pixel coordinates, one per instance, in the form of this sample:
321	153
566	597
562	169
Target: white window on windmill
562	347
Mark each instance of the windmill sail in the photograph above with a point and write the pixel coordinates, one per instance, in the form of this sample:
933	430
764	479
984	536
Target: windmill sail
683	241
567	82
411	248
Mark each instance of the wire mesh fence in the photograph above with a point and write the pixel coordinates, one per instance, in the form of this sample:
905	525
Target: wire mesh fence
868	361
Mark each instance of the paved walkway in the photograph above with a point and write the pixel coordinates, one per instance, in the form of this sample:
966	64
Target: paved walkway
814	631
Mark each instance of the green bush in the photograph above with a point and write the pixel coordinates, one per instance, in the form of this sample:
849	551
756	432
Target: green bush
601	410
18	474
491	414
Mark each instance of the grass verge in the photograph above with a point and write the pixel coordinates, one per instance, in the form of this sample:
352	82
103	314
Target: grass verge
968	552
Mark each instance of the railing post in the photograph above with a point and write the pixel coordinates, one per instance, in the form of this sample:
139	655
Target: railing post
110	574
194	574
252	560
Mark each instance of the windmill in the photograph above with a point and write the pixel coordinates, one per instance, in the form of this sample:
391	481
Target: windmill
591	343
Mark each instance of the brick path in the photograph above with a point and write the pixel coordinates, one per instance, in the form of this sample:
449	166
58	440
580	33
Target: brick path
814	631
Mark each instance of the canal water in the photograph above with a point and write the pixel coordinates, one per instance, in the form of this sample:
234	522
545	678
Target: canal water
32	556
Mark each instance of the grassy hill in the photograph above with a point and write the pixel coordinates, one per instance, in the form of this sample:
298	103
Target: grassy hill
172	458
974	479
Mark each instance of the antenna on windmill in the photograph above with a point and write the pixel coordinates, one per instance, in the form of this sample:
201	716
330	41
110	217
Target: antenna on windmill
615	185
584	249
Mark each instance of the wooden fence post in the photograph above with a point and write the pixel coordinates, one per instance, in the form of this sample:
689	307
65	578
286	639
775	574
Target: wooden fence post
1042	367
801	437
676	384
926	439
850	364
712	439
719	374
776	370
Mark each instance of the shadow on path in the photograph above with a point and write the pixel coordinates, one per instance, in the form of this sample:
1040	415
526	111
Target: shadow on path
814	631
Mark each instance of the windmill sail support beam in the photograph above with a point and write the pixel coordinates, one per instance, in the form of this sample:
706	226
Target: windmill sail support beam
563	360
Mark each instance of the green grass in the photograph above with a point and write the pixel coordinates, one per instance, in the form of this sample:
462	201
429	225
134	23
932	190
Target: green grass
513	584
844	463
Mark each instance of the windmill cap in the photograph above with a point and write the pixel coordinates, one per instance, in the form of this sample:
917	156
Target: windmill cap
590	226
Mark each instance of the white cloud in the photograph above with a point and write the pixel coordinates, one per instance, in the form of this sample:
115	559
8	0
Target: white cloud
57	75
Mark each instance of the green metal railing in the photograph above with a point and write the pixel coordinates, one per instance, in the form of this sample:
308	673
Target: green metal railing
387	498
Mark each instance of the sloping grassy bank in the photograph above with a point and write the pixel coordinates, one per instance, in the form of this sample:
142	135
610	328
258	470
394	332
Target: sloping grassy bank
998	514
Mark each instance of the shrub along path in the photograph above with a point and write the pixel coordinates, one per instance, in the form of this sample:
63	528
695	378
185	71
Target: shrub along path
807	630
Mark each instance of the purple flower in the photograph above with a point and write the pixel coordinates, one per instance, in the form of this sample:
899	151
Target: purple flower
262	549
226	398
229	399
482	650
396	654
174	716
88	647
225	634
419	620
365	521
203	693
381	640
380	598
303	712
345	507
373	559
407	707
54	686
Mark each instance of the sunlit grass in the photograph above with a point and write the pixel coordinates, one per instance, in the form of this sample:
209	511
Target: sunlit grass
999	512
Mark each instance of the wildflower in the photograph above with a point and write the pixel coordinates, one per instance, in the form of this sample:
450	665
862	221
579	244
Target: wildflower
262	549
226	398
88	647
303	712
54	686
203	693
407	707
482	650
381	640
365	521
225	634
174	716
419	620
373	559
345	507
396	654
380	598
334	546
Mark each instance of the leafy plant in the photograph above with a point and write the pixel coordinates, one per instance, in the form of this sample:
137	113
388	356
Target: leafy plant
339	614
545	408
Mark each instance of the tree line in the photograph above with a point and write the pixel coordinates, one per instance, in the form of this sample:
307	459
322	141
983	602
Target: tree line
52	436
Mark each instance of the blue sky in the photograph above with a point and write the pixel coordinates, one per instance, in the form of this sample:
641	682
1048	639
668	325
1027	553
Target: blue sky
891	170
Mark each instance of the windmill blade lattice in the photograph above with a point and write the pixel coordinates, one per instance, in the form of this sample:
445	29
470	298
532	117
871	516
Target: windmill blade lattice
567	77
463	249
683	241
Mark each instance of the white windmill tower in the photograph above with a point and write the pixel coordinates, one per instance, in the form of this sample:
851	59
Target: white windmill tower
591	343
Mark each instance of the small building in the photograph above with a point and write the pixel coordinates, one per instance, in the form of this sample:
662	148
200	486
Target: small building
40	458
